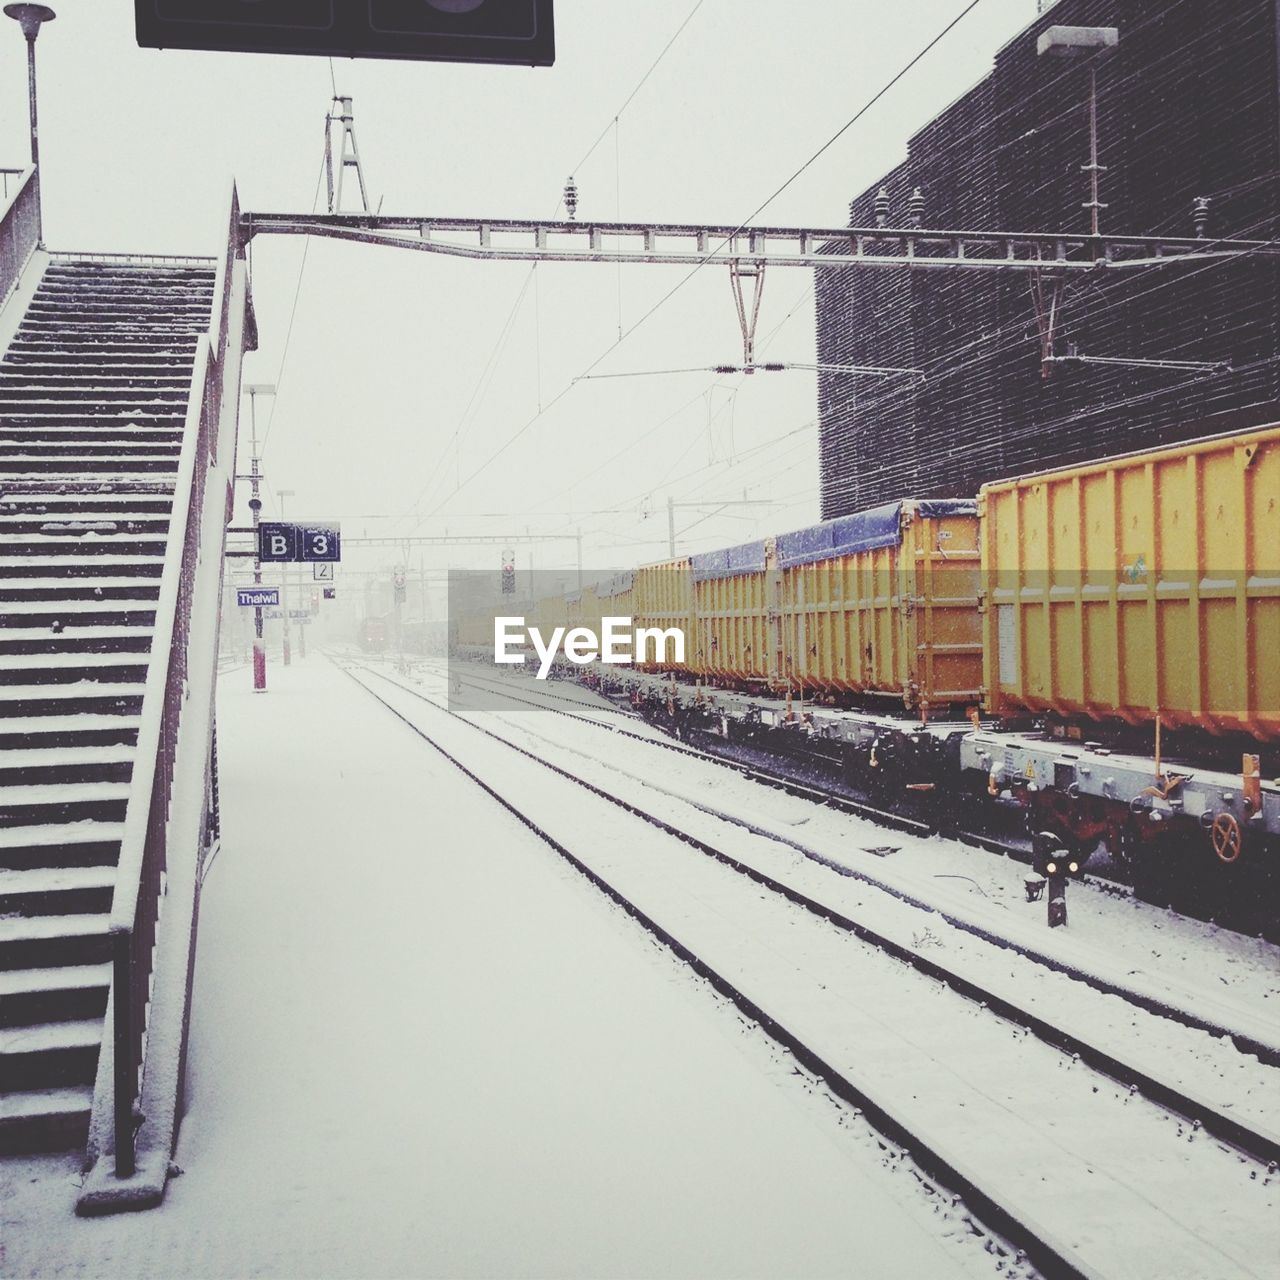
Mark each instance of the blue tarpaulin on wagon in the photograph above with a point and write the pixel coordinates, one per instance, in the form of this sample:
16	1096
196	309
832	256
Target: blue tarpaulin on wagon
936	508
862	531
730	563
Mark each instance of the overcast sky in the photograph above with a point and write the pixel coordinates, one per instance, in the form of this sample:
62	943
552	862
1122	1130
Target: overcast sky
385	360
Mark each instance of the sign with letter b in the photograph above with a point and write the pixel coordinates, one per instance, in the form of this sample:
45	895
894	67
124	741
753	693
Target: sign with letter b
277	541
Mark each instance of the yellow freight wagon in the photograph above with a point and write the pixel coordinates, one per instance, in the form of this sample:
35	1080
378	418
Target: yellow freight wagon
616	597
1141	587
885	603
731	608
663	598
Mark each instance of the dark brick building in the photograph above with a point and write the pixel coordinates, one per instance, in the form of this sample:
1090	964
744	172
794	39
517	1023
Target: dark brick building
1188	106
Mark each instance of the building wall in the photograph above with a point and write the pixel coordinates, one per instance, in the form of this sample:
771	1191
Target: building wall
1188	106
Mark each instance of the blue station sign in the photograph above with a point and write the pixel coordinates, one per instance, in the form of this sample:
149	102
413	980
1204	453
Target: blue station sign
294	543
257	597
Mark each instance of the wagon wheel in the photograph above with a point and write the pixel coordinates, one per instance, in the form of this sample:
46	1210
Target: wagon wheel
1225	833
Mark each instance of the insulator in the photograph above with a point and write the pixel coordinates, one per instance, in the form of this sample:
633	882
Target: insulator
571	198
1200	216
915	207
882	206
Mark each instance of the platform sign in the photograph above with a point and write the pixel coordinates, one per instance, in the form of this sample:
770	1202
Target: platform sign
277	541
291	543
257	597
321	541
322	572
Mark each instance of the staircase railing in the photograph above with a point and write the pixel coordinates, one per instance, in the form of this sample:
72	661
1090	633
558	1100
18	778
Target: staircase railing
19	229
145	851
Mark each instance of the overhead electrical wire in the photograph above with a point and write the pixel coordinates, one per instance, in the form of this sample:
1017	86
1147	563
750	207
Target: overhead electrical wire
857	115
612	124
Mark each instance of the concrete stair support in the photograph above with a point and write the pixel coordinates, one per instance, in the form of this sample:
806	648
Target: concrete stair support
93	397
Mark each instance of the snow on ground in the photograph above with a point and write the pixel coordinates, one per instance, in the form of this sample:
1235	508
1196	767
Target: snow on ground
1064	1148
1208	1066
1147	943
422	1045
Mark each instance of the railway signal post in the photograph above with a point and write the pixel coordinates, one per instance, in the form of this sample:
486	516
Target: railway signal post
1056	865
256	389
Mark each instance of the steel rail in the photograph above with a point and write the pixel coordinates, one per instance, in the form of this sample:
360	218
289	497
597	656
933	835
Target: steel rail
1053	1259
1261	1146
1268	1054
757	773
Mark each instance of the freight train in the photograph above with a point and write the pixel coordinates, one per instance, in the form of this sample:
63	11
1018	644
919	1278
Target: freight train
1097	649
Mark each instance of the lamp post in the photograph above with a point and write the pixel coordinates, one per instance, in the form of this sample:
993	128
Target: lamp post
29	17
256	389
1089	43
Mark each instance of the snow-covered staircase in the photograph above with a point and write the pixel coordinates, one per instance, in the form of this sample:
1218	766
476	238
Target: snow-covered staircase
93	396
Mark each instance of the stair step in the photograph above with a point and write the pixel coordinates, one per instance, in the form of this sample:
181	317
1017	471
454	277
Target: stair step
41	757
67	844
56	772
74	636
45	1120
43	591
50	1053
21	702
34	615
54	507
21	982
100	566
40	669
51	733
63	993
56	891
60	803
40	942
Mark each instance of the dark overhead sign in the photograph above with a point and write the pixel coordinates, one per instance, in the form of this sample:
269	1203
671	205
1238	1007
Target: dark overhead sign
518	32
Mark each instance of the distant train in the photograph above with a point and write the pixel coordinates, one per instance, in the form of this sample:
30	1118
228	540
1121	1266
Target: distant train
1098	646
371	634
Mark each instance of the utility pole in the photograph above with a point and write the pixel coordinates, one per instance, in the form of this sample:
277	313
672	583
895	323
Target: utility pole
348	156
256	389
282	494
29	17
672	504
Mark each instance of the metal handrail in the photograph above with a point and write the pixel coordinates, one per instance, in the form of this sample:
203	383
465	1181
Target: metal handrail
144	845
177	259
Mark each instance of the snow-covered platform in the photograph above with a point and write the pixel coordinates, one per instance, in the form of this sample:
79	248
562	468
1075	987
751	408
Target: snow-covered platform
423	1045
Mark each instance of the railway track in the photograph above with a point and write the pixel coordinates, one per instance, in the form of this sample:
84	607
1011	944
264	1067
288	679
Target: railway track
1073	1122
1265	1047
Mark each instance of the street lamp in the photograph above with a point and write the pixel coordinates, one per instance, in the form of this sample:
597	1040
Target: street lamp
254	390
1090	43
29	17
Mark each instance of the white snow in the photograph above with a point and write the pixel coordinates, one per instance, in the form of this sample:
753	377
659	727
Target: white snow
424	1046
994	1101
